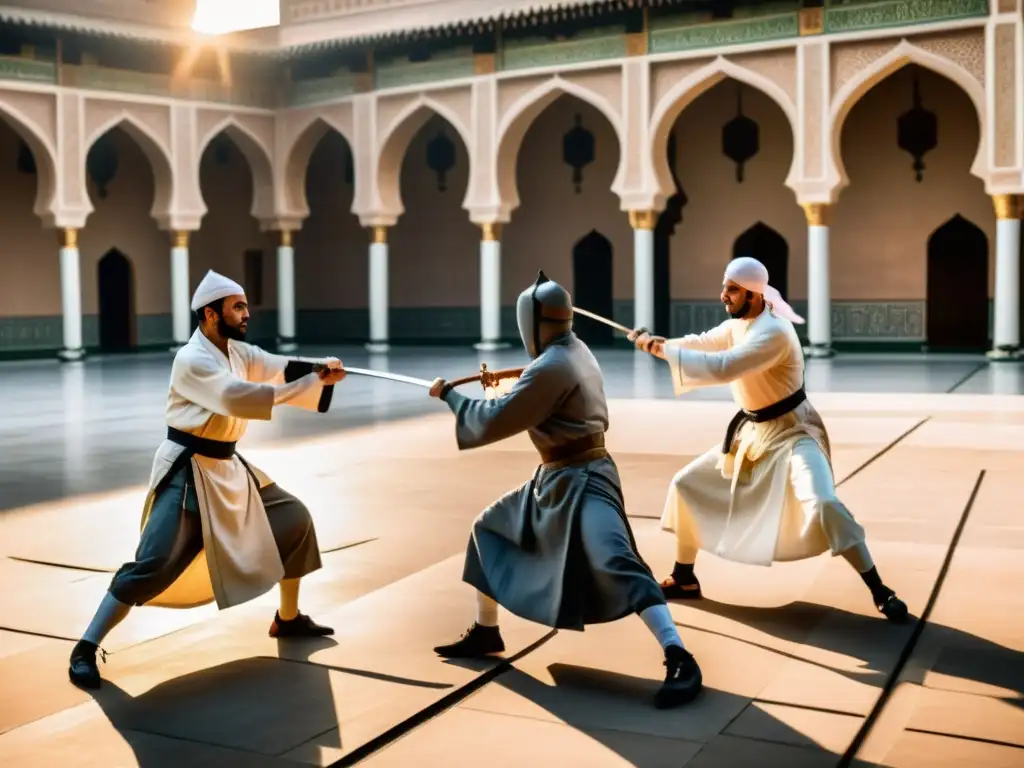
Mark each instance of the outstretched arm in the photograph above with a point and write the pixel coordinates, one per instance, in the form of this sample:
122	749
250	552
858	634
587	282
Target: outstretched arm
531	400
695	368
278	369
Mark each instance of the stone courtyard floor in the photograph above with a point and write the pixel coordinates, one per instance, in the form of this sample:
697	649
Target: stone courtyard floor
799	669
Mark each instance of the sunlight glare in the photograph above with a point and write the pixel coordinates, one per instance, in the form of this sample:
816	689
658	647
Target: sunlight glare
218	17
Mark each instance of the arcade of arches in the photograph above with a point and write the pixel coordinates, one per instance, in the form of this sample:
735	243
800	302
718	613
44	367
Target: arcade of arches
910	242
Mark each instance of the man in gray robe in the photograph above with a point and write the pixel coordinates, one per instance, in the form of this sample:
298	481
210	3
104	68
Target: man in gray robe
215	527
559	550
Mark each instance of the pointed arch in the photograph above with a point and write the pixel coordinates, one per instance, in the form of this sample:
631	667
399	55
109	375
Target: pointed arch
395	142
683	93
43	152
521	115
296	161
903	54
957	286
769	247
156	152
256	154
592	271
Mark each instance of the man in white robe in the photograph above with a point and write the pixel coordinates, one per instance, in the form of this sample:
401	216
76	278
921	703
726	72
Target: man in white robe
214	527
767	494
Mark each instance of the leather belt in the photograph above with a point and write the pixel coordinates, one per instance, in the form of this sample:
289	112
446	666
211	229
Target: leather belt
202	446
768	413
582	449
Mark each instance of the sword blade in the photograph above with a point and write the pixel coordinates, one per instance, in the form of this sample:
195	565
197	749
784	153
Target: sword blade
389	376
604	320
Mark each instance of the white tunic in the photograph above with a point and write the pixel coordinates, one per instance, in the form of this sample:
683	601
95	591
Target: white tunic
742	505
214	397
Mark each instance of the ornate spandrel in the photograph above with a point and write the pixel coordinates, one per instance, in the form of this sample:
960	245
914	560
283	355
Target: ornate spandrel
741	137
441	157
917	131
578	151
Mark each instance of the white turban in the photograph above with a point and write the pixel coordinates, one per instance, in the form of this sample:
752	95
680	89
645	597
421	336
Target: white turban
753	275
213	287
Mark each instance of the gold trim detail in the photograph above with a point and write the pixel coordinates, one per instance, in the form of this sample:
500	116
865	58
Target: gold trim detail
491	231
380	235
812	21
1007	206
643	219
181	238
286	238
68	238
817	214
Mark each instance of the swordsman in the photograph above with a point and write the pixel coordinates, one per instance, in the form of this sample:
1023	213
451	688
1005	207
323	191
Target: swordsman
559	550
767	493
215	527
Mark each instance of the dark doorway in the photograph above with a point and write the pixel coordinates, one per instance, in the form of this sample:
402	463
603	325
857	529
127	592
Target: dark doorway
663	231
592	288
771	249
957	287
116	293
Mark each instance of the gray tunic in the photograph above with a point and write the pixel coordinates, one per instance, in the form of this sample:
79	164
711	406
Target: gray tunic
558	550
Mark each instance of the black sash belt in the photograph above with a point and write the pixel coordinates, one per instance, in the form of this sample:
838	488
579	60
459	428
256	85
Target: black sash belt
768	413
202	446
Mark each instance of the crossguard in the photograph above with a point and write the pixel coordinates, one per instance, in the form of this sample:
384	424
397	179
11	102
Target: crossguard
488	378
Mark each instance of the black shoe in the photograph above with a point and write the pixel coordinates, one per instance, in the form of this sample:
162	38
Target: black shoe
894	609
675	590
82	670
478	642
300	626
683	679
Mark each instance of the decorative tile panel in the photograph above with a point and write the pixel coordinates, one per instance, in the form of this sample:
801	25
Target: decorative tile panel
155	84
305	92
883	321
850	17
592	45
447	66
675	35
29	70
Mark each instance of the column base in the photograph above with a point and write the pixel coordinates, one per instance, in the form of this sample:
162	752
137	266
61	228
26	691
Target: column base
286	345
377	347
819	351
1004	354
71	355
491	346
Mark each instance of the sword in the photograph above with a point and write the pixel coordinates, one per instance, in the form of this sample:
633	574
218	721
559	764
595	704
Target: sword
317	367
606	321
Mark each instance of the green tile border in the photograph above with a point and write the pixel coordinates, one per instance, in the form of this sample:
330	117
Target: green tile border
858	17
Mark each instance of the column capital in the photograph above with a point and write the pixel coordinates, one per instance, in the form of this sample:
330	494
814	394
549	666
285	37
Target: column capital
286	238
180	238
68	237
818	214
643	219
379	235
1007	206
490	231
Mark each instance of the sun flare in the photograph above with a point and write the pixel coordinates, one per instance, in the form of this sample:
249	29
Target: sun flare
218	17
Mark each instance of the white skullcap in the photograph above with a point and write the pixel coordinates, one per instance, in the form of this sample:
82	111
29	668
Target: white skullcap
751	274
214	286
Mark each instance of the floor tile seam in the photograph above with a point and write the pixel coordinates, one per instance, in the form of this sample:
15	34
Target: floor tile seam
417	720
759	740
563	724
963	737
893	679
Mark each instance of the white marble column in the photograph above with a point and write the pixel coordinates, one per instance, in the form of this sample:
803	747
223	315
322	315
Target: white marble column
490	289
181	309
286	294
379	291
71	296
819	295
643	267
1006	331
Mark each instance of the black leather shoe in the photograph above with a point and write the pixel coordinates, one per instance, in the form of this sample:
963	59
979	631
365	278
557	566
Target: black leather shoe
683	679
82	670
479	641
300	626
674	590
894	609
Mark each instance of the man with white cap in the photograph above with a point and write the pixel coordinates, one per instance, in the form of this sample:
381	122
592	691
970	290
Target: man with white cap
767	494
214	527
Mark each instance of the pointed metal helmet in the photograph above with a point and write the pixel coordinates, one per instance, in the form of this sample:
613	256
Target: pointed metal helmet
543	311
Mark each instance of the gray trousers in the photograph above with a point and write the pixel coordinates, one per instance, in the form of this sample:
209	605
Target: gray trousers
173	537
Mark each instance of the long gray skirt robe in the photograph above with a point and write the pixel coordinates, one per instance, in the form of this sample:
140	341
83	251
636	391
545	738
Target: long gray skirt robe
173	538
558	550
